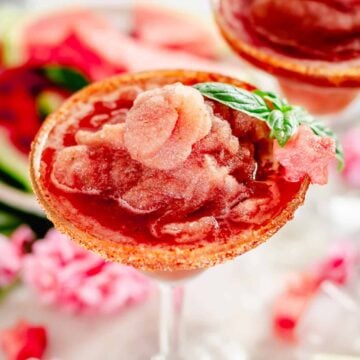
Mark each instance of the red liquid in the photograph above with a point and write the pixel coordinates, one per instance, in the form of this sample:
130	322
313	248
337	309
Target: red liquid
319	29
102	216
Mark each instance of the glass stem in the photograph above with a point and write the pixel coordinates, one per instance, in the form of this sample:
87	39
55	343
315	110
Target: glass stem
170	316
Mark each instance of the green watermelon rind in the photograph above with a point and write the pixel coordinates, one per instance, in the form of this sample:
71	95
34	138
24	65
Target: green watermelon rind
8	222
19	200
12	36
14	163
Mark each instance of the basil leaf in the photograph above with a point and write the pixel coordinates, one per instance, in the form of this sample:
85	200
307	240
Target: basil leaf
291	122
282	118
275	100
235	98
276	123
66	77
8	222
302	116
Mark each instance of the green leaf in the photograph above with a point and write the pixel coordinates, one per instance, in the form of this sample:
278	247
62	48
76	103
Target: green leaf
235	98
8	222
276	124
275	100
339	154
65	77
282	118
291	122
14	166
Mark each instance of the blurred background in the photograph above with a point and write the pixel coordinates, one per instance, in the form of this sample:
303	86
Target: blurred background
295	297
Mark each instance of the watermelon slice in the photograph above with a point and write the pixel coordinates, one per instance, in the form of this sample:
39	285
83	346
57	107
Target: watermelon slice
9	16
81	39
8	222
173	30
12	22
58	38
27	95
138	56
13	162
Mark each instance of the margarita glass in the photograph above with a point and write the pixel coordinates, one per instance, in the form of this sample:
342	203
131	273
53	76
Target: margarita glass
311	47
144	170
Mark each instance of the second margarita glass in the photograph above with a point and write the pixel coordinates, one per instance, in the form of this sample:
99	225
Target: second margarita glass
311	47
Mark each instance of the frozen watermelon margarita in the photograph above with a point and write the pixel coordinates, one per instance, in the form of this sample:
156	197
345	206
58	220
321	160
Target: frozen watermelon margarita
312	46
176	170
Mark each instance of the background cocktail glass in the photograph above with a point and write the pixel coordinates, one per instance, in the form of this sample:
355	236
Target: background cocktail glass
329	90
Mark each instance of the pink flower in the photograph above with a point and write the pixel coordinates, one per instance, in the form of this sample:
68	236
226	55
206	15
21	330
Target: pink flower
351	143
306	154
12	252
23	341
340	265
63	274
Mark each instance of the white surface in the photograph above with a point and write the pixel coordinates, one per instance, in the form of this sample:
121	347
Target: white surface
224	316
227	309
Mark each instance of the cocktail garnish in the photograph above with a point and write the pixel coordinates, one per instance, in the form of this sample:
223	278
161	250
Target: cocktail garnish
282	118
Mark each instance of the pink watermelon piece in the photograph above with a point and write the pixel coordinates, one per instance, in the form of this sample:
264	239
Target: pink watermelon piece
64	38
135	55
81	39
168	29
306	154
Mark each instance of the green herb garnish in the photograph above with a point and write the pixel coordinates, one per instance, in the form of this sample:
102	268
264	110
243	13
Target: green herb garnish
282	118
8	222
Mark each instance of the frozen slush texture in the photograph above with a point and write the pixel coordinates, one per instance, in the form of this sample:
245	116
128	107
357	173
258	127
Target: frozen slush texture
145	171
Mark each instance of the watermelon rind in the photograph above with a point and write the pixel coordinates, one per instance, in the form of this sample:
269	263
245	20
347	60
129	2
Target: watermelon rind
17	199
13	162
